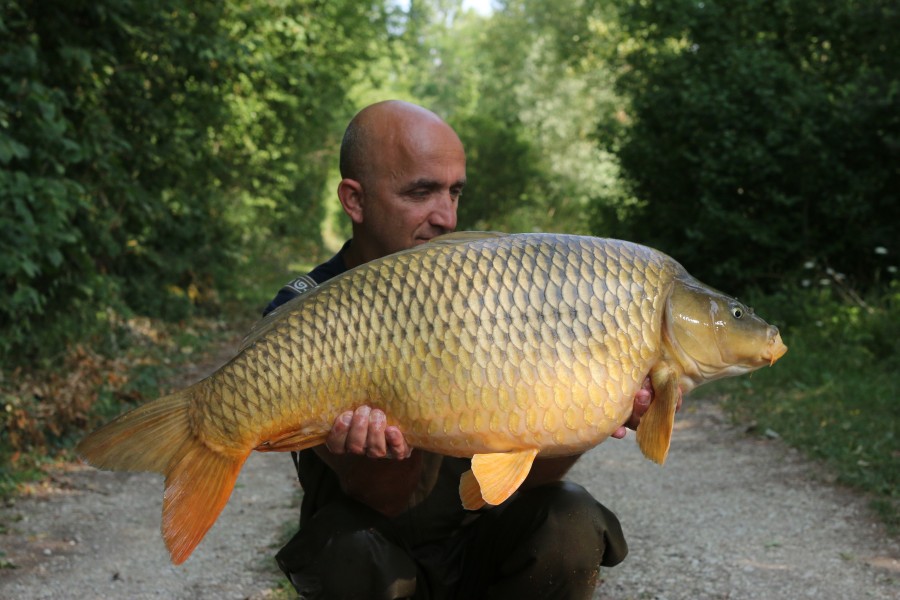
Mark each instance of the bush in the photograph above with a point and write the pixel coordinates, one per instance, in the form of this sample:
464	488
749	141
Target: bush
143	146
762	135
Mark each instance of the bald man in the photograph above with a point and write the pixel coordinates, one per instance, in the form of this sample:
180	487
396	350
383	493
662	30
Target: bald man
381	520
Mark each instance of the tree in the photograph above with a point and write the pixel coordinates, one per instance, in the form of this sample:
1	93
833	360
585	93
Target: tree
525	104
143	146
761	135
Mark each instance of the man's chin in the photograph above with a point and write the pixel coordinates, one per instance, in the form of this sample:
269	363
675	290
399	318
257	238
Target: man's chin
424	239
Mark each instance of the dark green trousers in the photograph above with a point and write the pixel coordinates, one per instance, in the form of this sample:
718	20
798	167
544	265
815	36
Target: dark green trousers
547	542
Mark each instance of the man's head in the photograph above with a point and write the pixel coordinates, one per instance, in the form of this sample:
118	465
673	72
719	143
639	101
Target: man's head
403	170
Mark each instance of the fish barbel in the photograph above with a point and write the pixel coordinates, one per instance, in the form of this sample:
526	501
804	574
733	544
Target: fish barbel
497	347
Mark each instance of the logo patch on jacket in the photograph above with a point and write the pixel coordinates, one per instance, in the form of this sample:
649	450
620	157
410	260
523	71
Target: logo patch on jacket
301	285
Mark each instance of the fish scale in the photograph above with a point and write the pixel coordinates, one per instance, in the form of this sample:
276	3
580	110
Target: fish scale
499	347
564	354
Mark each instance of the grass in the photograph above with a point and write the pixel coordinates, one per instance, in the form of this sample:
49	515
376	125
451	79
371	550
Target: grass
834	395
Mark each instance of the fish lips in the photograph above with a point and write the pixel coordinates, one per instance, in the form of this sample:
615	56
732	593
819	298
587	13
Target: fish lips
776	348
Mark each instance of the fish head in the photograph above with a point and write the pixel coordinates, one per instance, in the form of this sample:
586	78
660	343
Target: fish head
715	336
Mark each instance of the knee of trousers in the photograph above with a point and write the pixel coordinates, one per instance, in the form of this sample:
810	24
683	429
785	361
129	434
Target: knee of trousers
342	556
569	518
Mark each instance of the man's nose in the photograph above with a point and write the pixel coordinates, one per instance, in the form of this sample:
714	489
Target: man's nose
444	214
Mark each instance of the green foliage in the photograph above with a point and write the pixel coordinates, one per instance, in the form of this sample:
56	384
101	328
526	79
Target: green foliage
524	103
145	146
502	170
762	134
45	410
834	393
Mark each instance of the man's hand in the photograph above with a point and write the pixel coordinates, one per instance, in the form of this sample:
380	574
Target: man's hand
356	438
642	400
364	432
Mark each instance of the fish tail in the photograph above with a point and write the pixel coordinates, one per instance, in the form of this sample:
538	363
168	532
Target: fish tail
158	437
197	489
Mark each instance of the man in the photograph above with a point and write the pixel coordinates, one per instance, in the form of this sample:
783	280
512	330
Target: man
381	520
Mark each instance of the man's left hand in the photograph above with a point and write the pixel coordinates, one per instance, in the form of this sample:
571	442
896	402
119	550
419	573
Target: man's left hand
642	400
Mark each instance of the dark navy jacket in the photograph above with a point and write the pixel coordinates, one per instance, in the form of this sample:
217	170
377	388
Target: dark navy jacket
334	267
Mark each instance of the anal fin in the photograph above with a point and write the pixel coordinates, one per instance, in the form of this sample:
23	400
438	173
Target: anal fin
470	491
495	477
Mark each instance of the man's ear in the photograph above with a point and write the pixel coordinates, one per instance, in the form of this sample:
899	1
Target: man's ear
350	193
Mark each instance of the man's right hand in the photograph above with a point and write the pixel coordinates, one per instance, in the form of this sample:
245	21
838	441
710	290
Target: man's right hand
364	432
356	442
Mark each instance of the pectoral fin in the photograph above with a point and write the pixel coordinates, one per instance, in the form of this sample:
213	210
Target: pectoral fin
494	477
654	434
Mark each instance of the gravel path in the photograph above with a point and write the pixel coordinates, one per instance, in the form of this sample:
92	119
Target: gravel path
733	516
729	516
96	535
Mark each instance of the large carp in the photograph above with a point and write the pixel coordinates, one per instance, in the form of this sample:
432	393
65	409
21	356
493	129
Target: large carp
499	347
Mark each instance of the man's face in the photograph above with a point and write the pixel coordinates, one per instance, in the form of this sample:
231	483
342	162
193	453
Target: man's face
413	187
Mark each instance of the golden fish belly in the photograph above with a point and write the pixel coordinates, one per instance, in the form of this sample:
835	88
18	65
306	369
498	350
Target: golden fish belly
515	342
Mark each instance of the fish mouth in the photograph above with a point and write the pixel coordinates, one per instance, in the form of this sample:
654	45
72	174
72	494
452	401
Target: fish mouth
776	348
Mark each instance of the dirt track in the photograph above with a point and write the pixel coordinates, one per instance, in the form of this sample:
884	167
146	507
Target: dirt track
729	516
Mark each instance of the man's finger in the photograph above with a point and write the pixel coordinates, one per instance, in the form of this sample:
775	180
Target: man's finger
642	399
375	443
396	443
337	437
359	431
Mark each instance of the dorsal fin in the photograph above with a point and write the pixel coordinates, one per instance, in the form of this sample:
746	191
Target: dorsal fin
459	237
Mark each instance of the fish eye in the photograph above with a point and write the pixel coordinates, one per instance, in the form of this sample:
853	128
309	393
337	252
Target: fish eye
737	312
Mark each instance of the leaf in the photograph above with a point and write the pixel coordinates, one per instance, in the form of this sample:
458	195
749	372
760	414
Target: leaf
11	149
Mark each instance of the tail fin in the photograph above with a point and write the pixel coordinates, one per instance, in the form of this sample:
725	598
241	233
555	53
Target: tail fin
158	437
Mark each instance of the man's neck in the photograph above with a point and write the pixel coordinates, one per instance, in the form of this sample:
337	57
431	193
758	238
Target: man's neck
351	255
